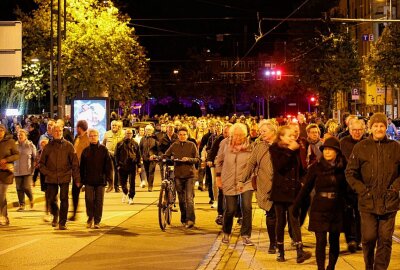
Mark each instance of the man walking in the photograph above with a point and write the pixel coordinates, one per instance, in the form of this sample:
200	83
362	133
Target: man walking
373	172
128	160
80	143
96	172
186	154
58	163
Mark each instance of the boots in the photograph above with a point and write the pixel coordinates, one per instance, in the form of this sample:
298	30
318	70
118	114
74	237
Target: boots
301	254
281	252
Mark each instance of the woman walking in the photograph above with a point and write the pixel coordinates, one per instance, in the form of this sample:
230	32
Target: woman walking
260	163
24	168
286	185
230	166
8	154
328	179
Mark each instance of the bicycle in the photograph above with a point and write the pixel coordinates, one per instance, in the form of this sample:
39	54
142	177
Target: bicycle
167	196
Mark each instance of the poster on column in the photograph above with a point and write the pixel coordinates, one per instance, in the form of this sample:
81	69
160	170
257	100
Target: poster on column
95	111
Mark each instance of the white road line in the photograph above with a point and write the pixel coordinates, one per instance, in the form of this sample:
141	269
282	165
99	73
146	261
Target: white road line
121	214
396	238
18	246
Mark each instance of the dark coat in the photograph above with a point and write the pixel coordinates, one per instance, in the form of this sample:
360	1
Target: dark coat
166	142
9	152
59	162
287	172
373	172
149	146
127	155
326	214
96	166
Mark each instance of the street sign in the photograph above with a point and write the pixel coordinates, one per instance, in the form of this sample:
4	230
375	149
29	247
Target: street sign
10	49
355	94
367	37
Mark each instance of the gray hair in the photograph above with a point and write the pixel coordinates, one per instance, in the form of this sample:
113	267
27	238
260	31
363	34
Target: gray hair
239	126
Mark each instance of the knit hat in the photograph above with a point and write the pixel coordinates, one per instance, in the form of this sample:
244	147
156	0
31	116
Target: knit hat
378	118
331	142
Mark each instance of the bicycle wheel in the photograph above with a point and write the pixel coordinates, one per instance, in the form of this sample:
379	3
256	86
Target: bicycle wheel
169	214
162	209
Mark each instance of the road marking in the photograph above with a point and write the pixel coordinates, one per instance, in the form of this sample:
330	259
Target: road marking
396	238
121	214
18	246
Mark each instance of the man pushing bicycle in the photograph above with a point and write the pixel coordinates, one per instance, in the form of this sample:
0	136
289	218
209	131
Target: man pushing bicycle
185	156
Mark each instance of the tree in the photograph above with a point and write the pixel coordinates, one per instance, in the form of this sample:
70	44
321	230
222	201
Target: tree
100	52
383	61
328	64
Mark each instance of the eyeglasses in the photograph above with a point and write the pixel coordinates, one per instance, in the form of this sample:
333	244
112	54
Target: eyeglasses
357	130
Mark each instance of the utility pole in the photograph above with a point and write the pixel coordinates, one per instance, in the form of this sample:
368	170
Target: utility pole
55	15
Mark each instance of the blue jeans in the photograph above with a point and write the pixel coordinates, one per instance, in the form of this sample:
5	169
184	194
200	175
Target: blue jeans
94	198
3	200
62	212
185	190
231	205
23	184
377	231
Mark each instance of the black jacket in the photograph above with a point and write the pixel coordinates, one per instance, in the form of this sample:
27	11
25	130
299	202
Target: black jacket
149	146
288	171
166	142
373	172
96	166
127	155
326	214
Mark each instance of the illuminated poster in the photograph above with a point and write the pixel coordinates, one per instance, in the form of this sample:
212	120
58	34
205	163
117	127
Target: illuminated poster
94	110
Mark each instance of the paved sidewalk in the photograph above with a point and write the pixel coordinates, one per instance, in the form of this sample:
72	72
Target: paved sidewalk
204	240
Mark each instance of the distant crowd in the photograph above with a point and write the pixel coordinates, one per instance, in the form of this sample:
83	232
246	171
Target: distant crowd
343	175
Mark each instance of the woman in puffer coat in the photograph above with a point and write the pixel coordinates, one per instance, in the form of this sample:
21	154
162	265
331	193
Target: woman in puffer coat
230	166
327	177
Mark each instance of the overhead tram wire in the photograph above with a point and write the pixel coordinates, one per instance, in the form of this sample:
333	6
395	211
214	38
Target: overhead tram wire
258	38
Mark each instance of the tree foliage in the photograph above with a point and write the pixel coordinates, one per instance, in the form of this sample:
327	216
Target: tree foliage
100	52
383	62
328	63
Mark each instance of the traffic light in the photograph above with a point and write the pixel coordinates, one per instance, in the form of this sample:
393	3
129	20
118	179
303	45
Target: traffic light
273	74
278	75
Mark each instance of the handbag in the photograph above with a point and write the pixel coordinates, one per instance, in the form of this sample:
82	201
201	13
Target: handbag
255	174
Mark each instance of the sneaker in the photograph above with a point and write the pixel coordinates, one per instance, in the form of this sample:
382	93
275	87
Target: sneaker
130	202
189	224
214	205
89	223
247	241
219	220
124	197
4	221
97	226
21	208
47	218
143	184
225	238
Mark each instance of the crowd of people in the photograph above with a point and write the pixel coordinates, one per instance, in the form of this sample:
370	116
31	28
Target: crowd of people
344	177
